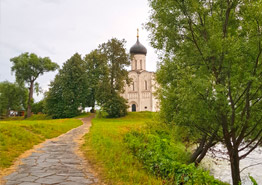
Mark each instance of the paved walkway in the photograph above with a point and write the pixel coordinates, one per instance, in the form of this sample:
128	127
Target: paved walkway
58	161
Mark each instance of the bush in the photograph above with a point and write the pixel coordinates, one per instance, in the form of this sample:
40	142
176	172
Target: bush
101	114
166	159
115	106
38	107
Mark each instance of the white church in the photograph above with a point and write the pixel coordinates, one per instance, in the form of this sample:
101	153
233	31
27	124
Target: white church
140	94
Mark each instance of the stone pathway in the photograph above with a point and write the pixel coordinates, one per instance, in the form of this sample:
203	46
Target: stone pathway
58	161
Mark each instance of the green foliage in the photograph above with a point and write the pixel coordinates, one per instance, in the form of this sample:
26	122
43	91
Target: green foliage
27	68
19	136
97	71
12	97
101	114
115	106
166	159
210	70
38	107
116	76
253	180
68	92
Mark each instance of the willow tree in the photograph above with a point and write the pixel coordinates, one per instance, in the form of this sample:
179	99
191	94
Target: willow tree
210	75
27	68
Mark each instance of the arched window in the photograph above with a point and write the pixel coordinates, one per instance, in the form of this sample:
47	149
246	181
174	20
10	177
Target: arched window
135	64
133	86
141	64
145	85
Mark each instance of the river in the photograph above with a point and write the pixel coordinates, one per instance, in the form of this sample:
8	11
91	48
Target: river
219	166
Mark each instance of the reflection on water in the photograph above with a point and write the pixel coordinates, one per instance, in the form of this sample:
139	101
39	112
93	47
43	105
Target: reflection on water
219	166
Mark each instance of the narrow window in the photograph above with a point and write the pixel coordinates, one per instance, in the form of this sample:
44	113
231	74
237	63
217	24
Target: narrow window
133	108
141	64
145	85
135	64
133	86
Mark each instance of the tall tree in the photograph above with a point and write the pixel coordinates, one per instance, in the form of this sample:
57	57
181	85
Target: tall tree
97	70
27	68
113	84
68	92
210	77
12	97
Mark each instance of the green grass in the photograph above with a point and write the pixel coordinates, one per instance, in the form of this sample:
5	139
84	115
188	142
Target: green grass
13	118
33	117
18	136
39	117
83	115
105	147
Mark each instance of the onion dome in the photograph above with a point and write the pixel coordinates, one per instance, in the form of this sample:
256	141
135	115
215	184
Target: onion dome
138	48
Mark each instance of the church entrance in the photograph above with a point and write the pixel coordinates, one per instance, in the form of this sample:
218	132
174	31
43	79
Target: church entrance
134	108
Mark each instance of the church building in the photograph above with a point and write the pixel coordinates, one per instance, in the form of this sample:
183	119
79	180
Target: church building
139	93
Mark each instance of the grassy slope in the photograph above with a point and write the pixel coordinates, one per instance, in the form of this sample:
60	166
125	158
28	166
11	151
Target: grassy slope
18	136
106	149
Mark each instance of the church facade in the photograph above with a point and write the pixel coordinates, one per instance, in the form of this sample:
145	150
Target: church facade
140	93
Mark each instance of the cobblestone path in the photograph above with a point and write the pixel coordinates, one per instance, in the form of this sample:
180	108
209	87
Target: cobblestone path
56	162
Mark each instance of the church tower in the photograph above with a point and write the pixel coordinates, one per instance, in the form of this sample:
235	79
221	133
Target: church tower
140	94
138	55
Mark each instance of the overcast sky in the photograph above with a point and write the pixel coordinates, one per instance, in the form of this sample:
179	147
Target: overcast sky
59	28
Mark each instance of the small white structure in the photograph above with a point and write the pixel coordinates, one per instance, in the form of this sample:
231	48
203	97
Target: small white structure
139	94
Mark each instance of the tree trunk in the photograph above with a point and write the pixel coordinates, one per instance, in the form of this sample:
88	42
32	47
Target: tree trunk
205	144
202	155
198	151
195	155
31	90
235	172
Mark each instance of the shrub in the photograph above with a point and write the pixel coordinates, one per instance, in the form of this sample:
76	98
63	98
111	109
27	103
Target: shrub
115	106
166	159
38	107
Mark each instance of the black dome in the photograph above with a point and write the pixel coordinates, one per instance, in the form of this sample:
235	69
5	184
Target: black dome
138	48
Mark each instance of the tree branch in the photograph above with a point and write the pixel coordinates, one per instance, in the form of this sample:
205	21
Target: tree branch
252	141
227	18
246	154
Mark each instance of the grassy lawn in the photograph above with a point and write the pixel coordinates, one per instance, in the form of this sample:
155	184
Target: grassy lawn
20	135
106	149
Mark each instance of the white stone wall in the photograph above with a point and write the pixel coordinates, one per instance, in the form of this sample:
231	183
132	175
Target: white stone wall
138	62
140	91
